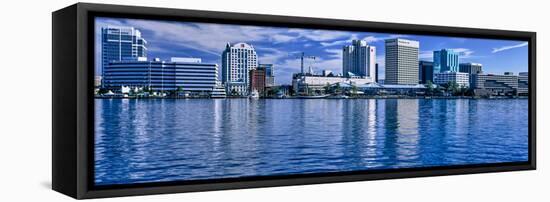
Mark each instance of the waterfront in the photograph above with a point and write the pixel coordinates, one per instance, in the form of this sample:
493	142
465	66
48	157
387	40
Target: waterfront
152	140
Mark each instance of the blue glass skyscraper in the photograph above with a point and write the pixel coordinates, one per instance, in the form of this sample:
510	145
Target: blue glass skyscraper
445	60
121	43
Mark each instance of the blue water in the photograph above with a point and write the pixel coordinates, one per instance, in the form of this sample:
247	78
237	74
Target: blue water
157	140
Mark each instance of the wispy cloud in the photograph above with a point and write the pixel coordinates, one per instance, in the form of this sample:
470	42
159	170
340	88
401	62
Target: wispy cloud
334	43
198	36
503	48
334	53
464	52
372	39
319	35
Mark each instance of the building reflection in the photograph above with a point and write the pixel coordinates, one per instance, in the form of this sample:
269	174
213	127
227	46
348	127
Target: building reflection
402	135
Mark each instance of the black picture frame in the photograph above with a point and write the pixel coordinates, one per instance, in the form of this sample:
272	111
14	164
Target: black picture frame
73	100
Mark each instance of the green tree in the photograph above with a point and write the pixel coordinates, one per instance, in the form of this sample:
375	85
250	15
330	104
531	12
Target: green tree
354	89
273	90
102	91
338	88
452	87
327	88
430	88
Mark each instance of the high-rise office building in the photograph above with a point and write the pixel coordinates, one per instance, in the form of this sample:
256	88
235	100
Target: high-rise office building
269	76
376	73
445	60
237	61
401	61
471	68
426	71
121	43
359	59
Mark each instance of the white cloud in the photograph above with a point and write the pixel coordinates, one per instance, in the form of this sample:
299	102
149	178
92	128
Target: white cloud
318	35
271	55
209	38
503	48
334	43
280	38
334	52
464	52
372	39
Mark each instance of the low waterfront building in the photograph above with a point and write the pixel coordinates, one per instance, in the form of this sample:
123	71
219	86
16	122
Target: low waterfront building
218	91
391	89
461	78
490	84
303	83
326	72
181	74
523	84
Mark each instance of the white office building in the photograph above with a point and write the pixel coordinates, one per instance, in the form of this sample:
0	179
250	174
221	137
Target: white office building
237	61
461	78
401	61
359	59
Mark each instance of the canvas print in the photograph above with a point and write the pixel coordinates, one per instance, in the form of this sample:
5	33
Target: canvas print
190	101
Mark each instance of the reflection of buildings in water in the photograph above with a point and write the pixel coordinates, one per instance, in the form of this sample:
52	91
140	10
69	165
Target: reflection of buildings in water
461	116
218	122
358	128
371	141
457	129
320	120
407	130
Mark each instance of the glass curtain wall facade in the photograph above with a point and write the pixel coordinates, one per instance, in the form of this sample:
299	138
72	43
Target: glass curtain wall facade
121	43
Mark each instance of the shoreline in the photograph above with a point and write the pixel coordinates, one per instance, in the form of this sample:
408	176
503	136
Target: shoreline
326	98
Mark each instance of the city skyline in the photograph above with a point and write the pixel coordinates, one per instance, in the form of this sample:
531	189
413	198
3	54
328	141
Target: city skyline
281	46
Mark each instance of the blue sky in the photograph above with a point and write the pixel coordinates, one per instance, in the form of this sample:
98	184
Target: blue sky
280	46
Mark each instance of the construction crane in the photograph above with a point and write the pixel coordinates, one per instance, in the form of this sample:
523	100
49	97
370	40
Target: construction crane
302	56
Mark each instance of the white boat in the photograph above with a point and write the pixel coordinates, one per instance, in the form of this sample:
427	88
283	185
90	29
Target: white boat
311	96
254	94
339	97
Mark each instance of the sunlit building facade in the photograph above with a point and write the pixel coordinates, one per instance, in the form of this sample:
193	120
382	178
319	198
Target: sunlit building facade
401	61
359	59
237	61
446	60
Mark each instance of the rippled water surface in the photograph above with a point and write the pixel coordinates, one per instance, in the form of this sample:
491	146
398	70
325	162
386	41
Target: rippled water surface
156	140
